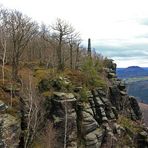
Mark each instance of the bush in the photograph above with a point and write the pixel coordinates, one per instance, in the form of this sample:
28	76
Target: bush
129	124
44	85
84	94
92	72
41	74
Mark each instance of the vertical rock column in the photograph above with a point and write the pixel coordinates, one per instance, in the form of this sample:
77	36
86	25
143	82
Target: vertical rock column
64	115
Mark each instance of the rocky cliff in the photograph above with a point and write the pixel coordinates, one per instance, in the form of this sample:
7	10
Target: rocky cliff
84	118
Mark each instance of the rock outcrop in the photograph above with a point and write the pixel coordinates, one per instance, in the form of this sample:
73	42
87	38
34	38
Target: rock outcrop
65	118
100	118
94	124
10	128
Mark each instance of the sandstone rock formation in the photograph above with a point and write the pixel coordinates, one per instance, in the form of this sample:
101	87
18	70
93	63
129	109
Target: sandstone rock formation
104	118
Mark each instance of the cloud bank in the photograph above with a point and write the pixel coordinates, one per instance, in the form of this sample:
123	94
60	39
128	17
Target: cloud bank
118	28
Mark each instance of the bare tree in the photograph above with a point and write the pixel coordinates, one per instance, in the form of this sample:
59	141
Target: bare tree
77	53
61	30
3	38
33	110
52	45
21	30
73	39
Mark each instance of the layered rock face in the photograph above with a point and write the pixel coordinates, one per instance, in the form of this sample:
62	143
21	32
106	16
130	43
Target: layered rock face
65	118
94	124
103	118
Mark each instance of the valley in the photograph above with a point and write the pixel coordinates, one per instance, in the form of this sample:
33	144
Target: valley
136	80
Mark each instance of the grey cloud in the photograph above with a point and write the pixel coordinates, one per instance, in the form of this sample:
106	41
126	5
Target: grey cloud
135	51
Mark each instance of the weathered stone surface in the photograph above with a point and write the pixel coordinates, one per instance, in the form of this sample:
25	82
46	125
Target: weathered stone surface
63	96
111	75
89	124
10	131
95	93
91	141
142	139
115	97
123	93
100	135
64	108
109	140
101	92
135	107
3	106
103	114
119	130
98	102
105	100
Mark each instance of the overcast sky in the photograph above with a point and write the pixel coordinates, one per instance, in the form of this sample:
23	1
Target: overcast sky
118	28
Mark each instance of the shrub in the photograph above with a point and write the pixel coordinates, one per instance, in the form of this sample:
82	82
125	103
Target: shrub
92	72
129	124
44	85
44	74
84	94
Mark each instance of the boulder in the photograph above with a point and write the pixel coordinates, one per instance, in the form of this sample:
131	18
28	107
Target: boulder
123	93
111	75
91	141
62	95
3	106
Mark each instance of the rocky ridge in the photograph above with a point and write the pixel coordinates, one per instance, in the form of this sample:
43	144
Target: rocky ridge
106	119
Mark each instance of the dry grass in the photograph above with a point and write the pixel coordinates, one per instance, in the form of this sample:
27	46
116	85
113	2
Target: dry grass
129	124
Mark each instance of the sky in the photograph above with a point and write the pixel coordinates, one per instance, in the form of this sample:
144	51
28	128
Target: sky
118	28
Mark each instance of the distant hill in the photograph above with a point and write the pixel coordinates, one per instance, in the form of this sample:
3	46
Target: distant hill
132	71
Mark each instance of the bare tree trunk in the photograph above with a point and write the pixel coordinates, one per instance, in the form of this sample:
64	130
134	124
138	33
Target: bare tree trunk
71	64
66	123
35	122
11	93
4	57
59	54
4	47
15	64
77	57
29	114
